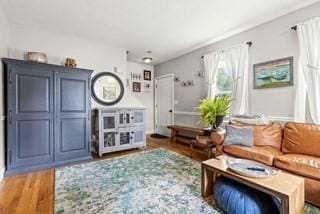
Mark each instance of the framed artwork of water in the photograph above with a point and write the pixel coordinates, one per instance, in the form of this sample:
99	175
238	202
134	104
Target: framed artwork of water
273	74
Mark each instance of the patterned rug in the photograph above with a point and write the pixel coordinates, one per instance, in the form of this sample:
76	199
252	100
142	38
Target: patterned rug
155	181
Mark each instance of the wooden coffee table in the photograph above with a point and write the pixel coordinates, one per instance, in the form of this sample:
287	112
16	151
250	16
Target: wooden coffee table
289	188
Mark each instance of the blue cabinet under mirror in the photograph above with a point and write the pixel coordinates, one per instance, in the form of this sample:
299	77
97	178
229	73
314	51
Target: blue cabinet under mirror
118	128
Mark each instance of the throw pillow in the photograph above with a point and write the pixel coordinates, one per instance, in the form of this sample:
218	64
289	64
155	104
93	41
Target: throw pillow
237	135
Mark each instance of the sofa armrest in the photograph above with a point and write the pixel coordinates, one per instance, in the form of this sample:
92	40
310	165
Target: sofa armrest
218	139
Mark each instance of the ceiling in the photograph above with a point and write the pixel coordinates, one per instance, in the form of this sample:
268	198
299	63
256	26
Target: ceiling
169	28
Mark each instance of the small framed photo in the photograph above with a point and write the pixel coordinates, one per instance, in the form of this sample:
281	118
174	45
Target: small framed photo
147	75
136	86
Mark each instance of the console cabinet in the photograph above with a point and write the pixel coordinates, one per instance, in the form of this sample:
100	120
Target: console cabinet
48	115
118	129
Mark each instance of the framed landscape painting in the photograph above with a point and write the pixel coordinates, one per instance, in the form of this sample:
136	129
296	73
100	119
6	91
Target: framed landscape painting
273	74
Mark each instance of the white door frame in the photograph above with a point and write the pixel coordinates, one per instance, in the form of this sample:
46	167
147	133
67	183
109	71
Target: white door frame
172	100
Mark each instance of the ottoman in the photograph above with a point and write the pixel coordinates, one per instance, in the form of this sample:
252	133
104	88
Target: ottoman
235	198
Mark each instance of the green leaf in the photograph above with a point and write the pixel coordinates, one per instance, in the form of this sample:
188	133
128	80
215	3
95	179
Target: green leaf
210	108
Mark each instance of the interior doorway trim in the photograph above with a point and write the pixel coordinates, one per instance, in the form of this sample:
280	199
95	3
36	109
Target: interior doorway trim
171	75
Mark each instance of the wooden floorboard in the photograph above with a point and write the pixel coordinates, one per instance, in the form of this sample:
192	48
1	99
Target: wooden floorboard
34	192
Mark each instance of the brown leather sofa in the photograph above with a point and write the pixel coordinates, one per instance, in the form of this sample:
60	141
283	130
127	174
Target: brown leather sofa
294	147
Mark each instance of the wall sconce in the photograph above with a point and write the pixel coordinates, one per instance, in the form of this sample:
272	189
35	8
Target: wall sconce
187	83
200	74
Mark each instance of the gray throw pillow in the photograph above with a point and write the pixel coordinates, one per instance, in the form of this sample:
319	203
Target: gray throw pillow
237	135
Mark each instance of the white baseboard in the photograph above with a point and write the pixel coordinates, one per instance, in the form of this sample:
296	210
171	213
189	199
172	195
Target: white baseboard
2	171
273	118
192	113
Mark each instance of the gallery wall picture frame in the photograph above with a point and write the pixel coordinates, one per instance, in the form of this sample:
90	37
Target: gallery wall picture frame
136	86
273	74
147	75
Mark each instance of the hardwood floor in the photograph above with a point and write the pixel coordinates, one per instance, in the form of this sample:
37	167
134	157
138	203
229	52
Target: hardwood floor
34	192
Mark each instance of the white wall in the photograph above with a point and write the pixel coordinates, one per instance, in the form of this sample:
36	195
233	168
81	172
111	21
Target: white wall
4	42
89	54
146	96
272	40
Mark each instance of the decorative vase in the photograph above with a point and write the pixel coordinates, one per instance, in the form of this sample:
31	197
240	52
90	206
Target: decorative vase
219	120
37	57
71	63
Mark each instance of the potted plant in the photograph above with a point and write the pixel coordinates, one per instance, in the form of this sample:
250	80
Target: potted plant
212	111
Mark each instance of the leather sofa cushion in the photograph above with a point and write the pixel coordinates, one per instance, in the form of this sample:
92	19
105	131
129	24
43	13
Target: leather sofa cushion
304	165
301	138
268	135
263	154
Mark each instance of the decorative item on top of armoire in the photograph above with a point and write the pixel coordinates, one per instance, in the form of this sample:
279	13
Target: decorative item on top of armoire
212	111
136	86
48	111
273	74
147	75
118	129
107	88
37	57
71	63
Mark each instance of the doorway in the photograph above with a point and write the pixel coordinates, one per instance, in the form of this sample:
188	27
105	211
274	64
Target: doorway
164	103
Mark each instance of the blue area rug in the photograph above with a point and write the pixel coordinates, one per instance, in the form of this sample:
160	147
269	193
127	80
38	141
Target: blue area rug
155	181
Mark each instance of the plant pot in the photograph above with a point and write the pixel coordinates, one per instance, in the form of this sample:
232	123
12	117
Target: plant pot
219	120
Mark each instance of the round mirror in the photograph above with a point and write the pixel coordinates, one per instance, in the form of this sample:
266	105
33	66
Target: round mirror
107	88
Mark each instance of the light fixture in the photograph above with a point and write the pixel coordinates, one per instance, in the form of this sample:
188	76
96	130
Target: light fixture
147	59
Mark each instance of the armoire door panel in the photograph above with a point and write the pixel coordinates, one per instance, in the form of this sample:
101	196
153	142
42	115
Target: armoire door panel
73	95
33	93
33	138
72	110
73	134
30	119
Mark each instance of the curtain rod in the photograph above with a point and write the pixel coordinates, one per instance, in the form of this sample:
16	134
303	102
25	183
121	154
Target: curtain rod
248	43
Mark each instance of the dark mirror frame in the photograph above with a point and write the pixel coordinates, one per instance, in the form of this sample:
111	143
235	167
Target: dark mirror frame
94	95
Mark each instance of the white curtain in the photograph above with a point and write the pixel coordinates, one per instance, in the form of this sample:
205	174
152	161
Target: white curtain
237	61
308	85
211	63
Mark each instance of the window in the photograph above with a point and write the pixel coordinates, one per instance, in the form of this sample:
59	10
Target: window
224	80
224	83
